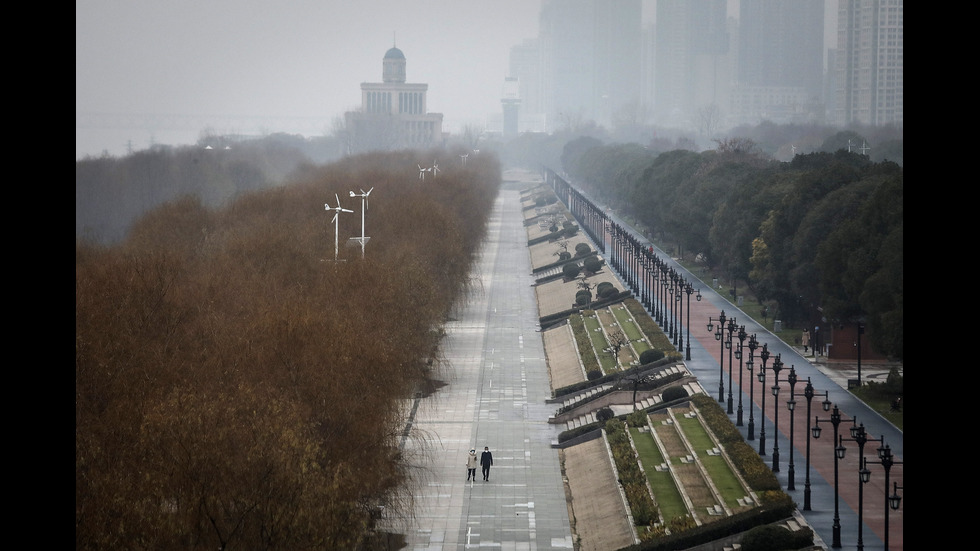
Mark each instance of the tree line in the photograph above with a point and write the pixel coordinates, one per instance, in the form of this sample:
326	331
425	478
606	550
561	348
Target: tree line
818	236
235	387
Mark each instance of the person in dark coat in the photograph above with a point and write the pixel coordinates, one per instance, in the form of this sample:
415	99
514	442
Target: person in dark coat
486	460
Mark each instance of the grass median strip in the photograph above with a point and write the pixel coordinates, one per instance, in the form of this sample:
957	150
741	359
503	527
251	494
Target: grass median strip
665	492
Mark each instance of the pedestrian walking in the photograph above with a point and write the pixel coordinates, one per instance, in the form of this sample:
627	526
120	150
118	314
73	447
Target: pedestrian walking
806	340
486	459
471	465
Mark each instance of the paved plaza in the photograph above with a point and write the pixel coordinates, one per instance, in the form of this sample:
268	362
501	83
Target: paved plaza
495	366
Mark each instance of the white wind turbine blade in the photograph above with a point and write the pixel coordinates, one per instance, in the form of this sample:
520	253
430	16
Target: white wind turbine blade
334	219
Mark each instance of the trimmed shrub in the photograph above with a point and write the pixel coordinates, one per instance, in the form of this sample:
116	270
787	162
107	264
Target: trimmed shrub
772	537
570	231
592	264
604	414
582	249
674	393
651	355
571	270
564	255
593	374
582	298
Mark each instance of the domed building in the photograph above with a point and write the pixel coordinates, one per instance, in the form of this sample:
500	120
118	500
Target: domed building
393	112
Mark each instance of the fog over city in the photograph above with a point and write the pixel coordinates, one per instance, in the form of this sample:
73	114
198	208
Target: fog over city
170	72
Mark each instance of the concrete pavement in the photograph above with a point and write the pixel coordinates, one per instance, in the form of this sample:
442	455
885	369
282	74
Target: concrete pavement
496	392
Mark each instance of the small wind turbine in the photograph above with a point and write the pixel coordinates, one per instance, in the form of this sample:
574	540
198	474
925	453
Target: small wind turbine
864	148
464	156
422	172
364	206
336	224
435	168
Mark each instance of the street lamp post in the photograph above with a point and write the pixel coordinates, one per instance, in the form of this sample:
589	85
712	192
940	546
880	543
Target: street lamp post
835	420
887	460
654	273
728	344
669	303
808	393
791	405
738	354
859	435
762	379
753	344
721	353
679	300
860	332
777	365
690	289
675	300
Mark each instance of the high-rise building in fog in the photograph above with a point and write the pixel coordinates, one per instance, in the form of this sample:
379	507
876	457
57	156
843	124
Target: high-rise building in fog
525	66
692	64
589	60
393	112
870	62
779	76
511	103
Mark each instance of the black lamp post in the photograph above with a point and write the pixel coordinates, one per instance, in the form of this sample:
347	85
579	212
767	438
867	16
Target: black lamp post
669	303
791	405
728	344
655	274
679	300
860	332
859	435
741	335
690	289
777	366
835	420
753	344
886	459
762	379
675	292
808	393
721	358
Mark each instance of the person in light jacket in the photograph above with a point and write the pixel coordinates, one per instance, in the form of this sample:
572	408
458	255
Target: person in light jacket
486	459
471	465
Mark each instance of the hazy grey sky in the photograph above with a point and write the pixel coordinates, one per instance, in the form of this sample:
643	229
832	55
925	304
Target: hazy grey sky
277	59
283	58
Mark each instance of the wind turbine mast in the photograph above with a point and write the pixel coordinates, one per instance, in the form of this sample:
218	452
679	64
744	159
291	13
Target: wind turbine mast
336	224
364	206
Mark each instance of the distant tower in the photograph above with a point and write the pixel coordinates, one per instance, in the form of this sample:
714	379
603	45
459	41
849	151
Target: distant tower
511	101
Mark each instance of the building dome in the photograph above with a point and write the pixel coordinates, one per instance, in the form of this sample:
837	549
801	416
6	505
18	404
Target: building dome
393	66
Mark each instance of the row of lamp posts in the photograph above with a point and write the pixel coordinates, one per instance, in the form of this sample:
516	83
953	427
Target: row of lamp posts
727	335
663	286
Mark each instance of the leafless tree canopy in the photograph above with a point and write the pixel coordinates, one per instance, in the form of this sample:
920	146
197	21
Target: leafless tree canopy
237	388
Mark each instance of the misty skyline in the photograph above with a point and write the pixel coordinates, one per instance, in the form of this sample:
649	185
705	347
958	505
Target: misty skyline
260	67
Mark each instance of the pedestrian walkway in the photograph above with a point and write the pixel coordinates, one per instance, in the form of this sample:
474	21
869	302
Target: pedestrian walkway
495	396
